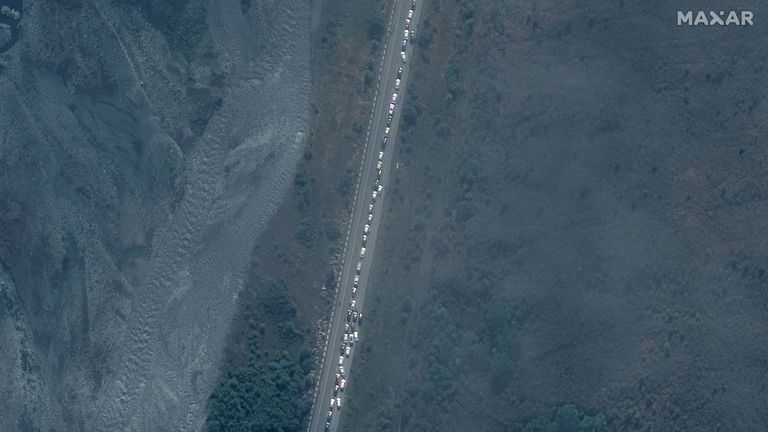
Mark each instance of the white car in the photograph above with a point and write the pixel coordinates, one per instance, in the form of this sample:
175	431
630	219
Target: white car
397	84
374	194
365	239
394	97
357	278
402	55
353	303
341	360
362	250
386	131
357	336
378	165
407	23
381	155
405	33
359	266
366	227
341	370
370	219
338	402
346	338
410	14
347	351
333	403
380	188
343	383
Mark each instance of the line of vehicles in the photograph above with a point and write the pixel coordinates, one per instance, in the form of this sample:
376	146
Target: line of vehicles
354	318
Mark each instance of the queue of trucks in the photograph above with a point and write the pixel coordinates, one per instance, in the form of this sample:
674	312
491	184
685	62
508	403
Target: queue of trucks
354	318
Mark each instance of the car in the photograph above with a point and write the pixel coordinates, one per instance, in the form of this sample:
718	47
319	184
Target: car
366	227
413	4
389	120
347	351
359	267
333	403
365	239
362	250
404	45
374	194
341	370
360	319
399	73
413	36
381	155
328	426
346	337
354	303
405	33
370	208
341	360
378	174
349	317
410	14
357	336
357	278
397	84
378	165
338	402
354	316
384	142
341	349
378	189
402	56
392	106
394	97
386	131
336	390
343	383
407	23
370	219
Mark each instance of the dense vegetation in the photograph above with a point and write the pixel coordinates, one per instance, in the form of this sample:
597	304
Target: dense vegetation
557	250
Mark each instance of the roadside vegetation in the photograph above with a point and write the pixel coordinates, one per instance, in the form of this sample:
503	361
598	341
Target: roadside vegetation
556	248
268	380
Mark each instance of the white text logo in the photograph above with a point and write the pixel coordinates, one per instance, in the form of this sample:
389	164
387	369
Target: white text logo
711	18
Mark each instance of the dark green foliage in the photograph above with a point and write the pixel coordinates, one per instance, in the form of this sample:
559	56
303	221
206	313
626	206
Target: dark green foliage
306	233
567	418
375	28
264	396
266	392
277	303
245	6
304	183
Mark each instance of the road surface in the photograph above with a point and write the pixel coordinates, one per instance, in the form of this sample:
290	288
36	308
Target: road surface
390	62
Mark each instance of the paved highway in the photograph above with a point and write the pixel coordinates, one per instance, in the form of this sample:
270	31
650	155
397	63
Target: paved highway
388	70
